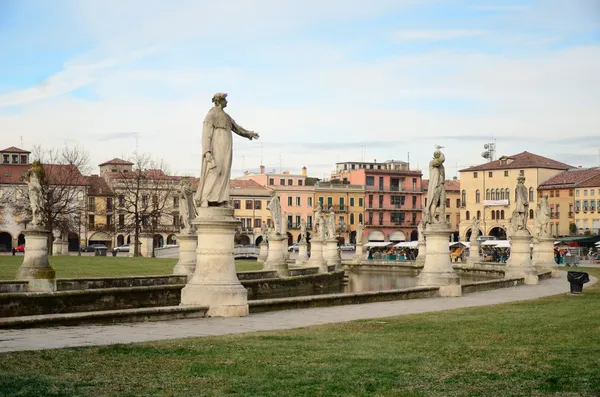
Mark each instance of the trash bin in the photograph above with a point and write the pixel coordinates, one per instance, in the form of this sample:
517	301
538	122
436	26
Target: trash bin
577	279
100	252
114	252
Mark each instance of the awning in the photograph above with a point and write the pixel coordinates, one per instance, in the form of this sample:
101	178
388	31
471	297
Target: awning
457	243
100	236
496	243
407	244
579	239
377	244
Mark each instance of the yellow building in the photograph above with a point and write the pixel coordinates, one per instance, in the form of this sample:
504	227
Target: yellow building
347	202
453	203
587	206
100	222
488	191
561	191
250	203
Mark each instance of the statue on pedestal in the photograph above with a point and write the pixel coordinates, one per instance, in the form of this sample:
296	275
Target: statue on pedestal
420	230
318	225
217	151
474	231
518	220
264	231
36	194
187	209
436	196
542	218
302	231
275	209
331	224
284	224
359	233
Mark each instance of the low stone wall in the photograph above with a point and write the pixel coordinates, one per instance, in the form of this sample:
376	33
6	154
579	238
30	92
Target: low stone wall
545	275
13	286
479	271
257	275
294	286
32	303
303	302
303	271
75	284
383	265
491	284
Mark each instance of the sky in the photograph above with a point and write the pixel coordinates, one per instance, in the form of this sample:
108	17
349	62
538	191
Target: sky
321	81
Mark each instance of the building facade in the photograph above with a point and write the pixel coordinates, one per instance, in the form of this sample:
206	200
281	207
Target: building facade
347	202
587	206
100	221
393	197
488	191
250	203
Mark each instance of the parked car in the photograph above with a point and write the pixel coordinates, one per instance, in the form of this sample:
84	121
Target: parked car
93	248
122	248
293	247
20	248
347	247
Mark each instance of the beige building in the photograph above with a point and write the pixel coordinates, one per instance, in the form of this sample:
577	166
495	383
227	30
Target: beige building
100	222
587	206
347	202
250	203
561	191
488	190
453	203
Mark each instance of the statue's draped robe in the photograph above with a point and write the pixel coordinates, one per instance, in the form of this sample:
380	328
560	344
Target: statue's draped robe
522	204
275	209
213	186
187	210
436	197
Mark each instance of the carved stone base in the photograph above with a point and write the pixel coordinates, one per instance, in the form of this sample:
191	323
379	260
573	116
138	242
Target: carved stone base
332	254
264	252
36	268
316	256
276	258
302	254
57	247
474	256
519	263
420	259
214	282
132	247
437	270
146	241
186	264
358	253
284	248
543	256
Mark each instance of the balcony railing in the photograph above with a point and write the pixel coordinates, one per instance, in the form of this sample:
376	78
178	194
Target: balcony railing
387	223
571	214
555	215
394	207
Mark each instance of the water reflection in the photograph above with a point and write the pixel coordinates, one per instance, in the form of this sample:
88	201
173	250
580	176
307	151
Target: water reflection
378	280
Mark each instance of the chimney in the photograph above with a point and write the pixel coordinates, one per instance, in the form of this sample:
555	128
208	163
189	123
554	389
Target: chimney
262	169
454	178
303	171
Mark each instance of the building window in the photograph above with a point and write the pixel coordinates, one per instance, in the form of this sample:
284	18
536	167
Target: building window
92	203
468	215
310	204
493	194
585	192
464	198
257	204
5	159
360	218
257	222
478	214
329	201
370	181
493	215
236	204
298	201
15	159
477	196
475	175
121	201
360	201
531	194
352	219
290	201
271	181
248	204
109	220
351	201
121	220
447	203
576	193
91	220
530	214
144	201
23	159
342	204
321	201
457	203
176	219
299	182
282	182
502	214
507	195
487	194
175	202
490	174
505	173
290	182
309	221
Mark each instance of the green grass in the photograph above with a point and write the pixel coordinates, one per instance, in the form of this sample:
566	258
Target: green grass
94	266
546	347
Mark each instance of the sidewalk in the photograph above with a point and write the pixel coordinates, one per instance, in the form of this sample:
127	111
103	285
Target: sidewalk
51	338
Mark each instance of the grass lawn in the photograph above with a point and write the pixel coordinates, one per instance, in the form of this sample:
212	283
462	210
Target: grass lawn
547	347
95	266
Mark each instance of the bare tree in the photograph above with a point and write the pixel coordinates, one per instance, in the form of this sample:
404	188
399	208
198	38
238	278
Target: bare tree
144	197
63	190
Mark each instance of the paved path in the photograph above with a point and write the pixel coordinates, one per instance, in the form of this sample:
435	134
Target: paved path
50	338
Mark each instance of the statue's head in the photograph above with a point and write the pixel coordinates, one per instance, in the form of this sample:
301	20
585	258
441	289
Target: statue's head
437	154
185	181
545	197
220	99
521	179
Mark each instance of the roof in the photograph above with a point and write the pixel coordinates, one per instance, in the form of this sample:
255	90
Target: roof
570	178
116	161
98	186
58	174
520	160
242	187
244	184
452	185
14	149
591	182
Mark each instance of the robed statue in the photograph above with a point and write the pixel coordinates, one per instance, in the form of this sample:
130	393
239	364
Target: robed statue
275	209
474	230
420	230
436	195
359	233
36	195
331	225
318	225
264	231
518	220
217	150
187	209
542	218
302	231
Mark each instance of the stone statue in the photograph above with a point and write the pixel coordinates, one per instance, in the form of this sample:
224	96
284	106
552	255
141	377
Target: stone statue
217	145
331	224
323	228
436	196
542	218
518	220
187	209
302	231
420	230
275	209
318	220
474	231
36	194
359	233
284	224
264	231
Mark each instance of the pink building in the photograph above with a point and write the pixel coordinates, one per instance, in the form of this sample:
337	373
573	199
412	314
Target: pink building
295	192
393	197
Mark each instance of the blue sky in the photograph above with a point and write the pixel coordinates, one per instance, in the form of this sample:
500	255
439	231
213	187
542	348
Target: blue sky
319	80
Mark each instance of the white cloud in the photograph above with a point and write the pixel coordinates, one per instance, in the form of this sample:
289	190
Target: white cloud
447	34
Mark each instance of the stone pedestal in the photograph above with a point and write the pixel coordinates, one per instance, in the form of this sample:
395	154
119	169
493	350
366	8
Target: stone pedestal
543	256
186	264
36	268
437	270
302	254
57	247
331	254
132	246
65	247
276	258
214	282
358	253
420	259
284	248
264	252
473	255
146	242
519	263
316	256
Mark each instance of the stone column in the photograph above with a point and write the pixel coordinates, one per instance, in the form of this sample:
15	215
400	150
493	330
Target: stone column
543	255
331	254
57	247
36	268
276	258
358	253
316	256
420	259
264	252
186	264
437	270
302	254
473	254
519	263
214	282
